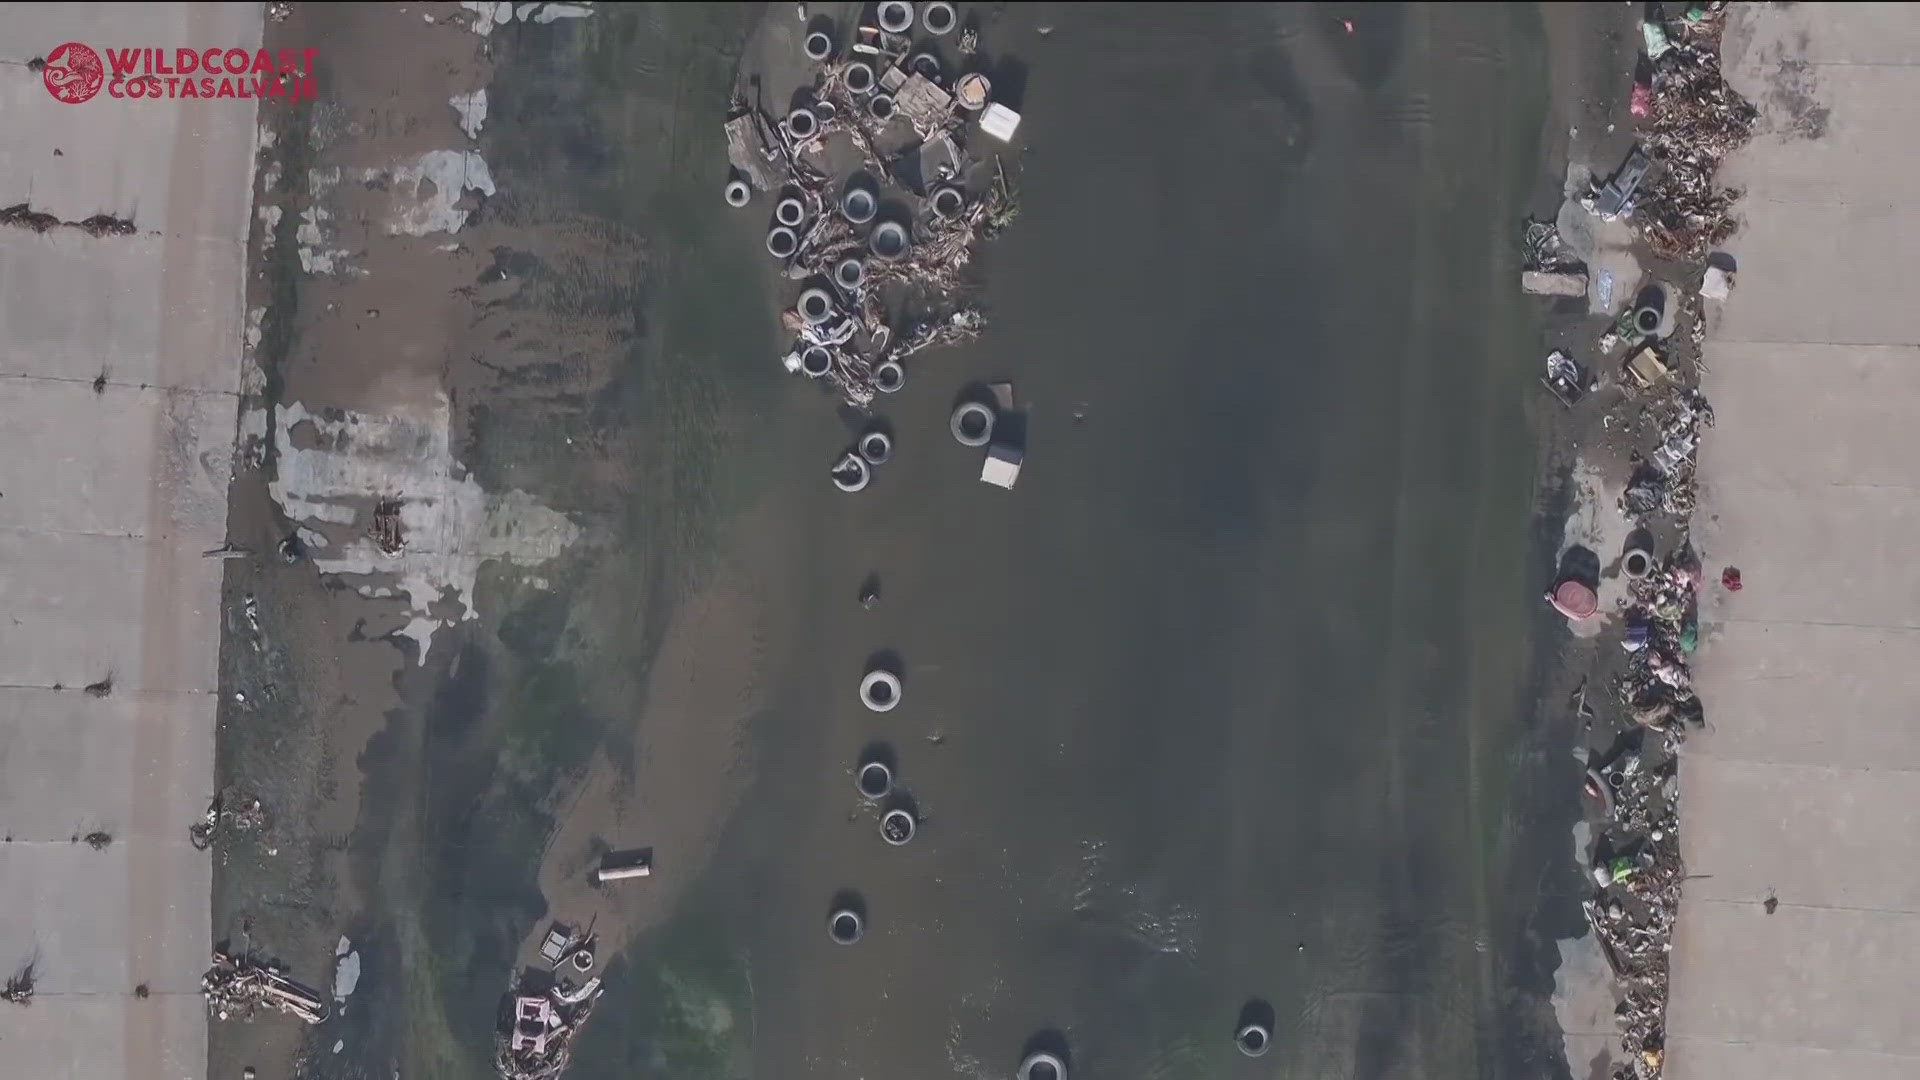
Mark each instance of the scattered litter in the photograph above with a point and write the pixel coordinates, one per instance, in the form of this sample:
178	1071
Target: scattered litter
1730	579
1002	466
1717	285
1565	378
1696	121
98	840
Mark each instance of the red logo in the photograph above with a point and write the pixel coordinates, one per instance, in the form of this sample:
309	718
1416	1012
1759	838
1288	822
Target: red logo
73	73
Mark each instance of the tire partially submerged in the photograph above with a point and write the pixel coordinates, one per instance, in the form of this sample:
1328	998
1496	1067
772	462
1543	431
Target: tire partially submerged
889	376
876	447
852	474
738	193
897	827
1041	1065
874	780
1253	1040
972	424
846	926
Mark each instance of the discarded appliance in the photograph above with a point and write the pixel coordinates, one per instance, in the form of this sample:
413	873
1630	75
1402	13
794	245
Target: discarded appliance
1000	122
638	868
1002	466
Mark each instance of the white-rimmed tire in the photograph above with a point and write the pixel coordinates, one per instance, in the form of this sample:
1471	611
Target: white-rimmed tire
888	241
815	305
857	77
818	46
1041	1065
738	193
859	205
947	202
897	827
972	424
802	124
938	17
889	376
846	926
781	242
880	107
880	690
896	16
1253	1040
790	212
850	274
876	447
816	361
874	781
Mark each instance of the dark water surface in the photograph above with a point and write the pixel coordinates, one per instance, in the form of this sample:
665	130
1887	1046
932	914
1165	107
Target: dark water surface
1221	702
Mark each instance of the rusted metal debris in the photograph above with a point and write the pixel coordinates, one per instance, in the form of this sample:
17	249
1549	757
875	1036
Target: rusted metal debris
238	986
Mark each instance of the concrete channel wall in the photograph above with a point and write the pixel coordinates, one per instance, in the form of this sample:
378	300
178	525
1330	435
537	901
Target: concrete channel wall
1807	788
119	367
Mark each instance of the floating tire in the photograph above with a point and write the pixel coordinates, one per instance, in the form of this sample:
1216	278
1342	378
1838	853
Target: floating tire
583	960
897	827
889	377
818	46
781	242
802	124
896	16
859	205
815	306
852	474
816	361
972	424
850	274
1253	1040
790	212
1042	1066
889	241
880	107
874	781
876	447
880	690
738	193
857	77
947	201
846	926
938	17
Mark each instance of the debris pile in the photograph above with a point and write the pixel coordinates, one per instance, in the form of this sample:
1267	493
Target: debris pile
1694	121
536	1040
237	986
19	988
880	206
1662	630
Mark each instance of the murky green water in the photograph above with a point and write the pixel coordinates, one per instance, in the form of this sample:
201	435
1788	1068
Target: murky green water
1219	704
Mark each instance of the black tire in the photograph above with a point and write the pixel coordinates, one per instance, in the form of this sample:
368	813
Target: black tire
889	376
938	17
846	927
818	46
781	242
895	16
858	78
851	475
889	241
876	447
1041	1065
859	205
881	778
1253	1040
815	305
972	424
